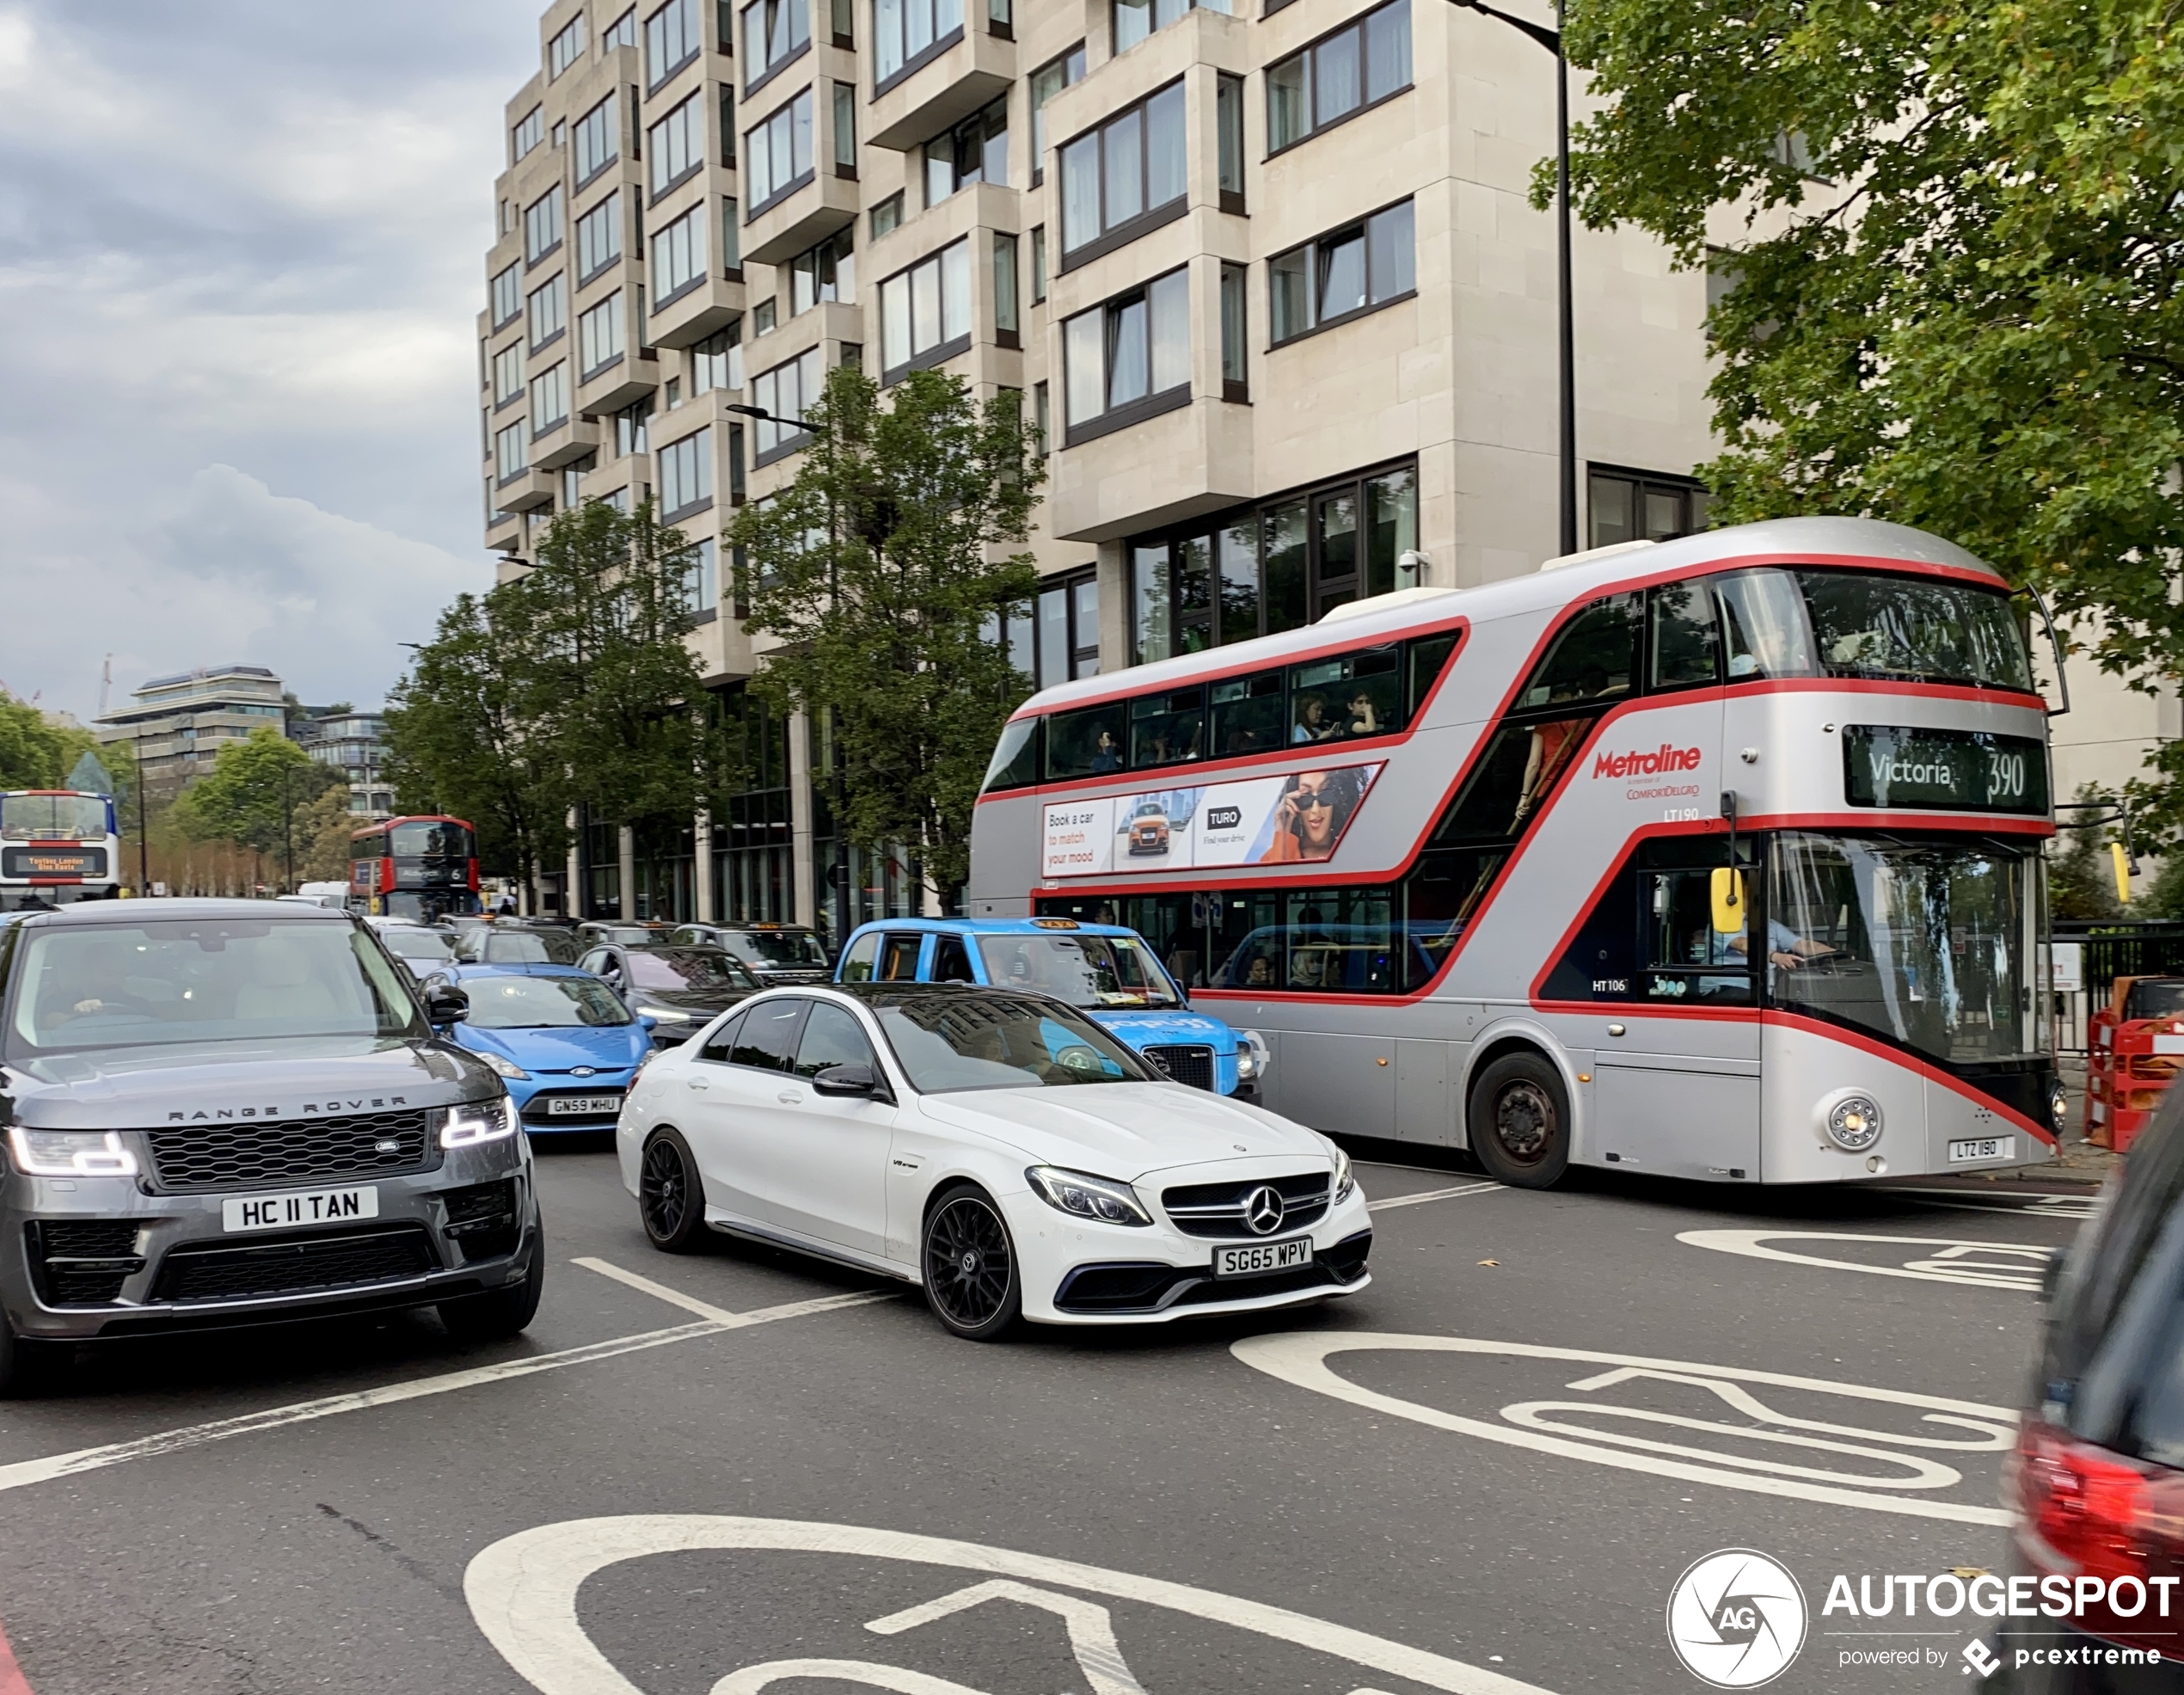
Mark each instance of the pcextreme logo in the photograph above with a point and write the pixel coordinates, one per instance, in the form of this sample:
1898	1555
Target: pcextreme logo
1736	1618
1662	760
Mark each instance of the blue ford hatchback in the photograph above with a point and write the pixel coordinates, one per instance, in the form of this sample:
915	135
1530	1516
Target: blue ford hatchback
564	1042
1110	972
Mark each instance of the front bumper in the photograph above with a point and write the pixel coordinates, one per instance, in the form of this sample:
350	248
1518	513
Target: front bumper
101	1257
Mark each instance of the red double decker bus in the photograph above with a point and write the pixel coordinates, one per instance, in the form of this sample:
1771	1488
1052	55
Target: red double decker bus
423	869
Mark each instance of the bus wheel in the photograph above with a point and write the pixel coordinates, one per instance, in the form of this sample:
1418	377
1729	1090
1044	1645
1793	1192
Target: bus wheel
1519	1120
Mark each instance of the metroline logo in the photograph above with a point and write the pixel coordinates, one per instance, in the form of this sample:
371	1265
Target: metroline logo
1662	759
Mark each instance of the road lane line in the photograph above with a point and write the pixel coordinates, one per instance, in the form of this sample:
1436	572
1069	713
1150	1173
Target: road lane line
721	1315
1429	1194
23	1473
1954	1264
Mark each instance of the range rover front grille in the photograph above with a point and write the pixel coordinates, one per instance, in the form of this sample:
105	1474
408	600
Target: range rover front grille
1222	1209
205	1158
304	1265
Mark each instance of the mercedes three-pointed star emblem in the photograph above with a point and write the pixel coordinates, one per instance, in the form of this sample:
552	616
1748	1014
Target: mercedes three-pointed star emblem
1262	1210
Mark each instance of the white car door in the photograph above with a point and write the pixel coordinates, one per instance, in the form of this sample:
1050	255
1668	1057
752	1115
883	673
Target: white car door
830	1159
733	1090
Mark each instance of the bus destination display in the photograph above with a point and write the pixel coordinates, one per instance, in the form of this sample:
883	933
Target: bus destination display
53	862
1948	771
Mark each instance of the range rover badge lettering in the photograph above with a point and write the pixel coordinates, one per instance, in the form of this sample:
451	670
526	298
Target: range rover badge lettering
1262	1210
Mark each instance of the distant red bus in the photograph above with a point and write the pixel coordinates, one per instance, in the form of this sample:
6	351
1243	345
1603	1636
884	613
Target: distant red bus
423	869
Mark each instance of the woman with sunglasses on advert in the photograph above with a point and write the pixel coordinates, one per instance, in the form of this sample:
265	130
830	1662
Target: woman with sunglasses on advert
1314	809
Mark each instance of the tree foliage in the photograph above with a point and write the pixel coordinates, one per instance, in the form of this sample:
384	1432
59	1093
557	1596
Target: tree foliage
38	751
254	792
881	569
1976	323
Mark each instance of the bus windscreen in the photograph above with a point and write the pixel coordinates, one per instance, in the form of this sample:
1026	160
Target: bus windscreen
54	818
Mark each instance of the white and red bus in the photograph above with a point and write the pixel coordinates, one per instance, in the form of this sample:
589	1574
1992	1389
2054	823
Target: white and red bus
57	846
422	867
1717	858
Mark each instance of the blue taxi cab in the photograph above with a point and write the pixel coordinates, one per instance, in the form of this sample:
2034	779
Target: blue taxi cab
1111	972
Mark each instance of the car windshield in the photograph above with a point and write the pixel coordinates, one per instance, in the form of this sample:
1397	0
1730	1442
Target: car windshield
1924	942
1082	970
53	818
781	947
953	1042
201	979
429	841
1863	623
692	968
487	946
418	944
543	1003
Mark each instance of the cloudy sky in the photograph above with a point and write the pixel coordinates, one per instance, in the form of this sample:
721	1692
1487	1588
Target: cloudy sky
241	251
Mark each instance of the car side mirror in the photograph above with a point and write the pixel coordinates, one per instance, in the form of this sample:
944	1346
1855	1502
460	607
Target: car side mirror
858	1081
445	1004
650	1022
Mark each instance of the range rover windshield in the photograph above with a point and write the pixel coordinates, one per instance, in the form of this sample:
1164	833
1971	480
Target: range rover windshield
201	980
1924	943
1811	623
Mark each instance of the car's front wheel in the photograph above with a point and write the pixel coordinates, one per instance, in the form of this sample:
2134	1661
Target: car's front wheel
670	1195
972	1283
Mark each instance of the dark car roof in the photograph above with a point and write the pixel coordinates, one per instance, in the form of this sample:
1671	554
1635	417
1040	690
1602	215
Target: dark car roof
154	910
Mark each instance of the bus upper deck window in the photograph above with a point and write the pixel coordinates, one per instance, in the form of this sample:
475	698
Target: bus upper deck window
1596	658
1870	624
1428	658
1166	728
1250	715
1350	694
1764	626
1085	743
1685	638
1015	760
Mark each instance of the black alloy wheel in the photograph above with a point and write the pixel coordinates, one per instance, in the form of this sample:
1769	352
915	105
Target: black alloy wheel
970	1266
1519	1120
671	1196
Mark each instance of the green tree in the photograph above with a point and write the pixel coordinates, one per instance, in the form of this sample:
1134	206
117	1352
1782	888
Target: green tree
253	794
1975	324
2081	875
881	569
32	748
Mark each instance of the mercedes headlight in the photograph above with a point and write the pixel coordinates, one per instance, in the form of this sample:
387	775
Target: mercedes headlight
1344	1178
1100	1199
1854	1123
476	1121
70	1153
505	1066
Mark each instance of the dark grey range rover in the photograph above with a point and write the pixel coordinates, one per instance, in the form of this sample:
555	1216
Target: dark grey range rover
218	1112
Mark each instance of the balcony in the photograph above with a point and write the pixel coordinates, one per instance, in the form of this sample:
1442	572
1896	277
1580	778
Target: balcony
796	221
713	303
959	80
527	490
630	377
1165	470
566	442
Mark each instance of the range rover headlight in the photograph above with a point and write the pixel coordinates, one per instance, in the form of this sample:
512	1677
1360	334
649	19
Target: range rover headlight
476	1121
70	1153
1854	1123
505	1066
1082	1196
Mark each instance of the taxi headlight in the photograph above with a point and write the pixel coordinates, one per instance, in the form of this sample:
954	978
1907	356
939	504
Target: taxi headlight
1854	1123
476	1121
1254	1056
505	1066
1101	1199
1345	1179
70	1153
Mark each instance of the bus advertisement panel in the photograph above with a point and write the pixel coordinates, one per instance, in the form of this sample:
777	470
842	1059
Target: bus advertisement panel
1718	858
57	846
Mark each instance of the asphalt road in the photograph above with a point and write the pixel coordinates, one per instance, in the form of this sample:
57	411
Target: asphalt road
758	1473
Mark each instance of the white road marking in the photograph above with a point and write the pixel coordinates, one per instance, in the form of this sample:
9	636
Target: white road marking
25	1472
523	1592
1300	1357
1971	1201
1091	1628
1429	1194
1957	1262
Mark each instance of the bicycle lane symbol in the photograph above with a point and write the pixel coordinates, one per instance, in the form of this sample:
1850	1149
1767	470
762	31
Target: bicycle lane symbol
523	1590
1776	1450
1968	1264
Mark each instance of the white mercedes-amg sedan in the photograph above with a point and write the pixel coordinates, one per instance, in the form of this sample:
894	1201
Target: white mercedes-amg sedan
1000	1150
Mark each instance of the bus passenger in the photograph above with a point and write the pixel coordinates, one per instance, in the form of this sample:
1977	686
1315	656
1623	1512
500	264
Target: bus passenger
1362	720
1104	756
1311	720
1261	974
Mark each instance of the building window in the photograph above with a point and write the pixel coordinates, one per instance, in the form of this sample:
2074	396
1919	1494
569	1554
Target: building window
671	41
728	125
1067	619
704	576
598	238
717	361
561	136
777	153
598	336
678	256
550	398
975	150
1127	360
686	475
1042	418
1227	111
1342	275
907	33
784	392
1124	177
507	296
1134	20
1643	507
676	145
549	311
887	216
845	129
1049	80
542	225
774	33
529	133
1234	327
1338	75
925	312
622	32
598	142
508	374
511	450
731	242
566	48
573	481
762	316
632	429
1004	289
827	272
1038	263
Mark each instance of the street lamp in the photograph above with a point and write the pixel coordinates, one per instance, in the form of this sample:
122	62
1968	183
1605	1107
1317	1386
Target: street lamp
837	798
1552	40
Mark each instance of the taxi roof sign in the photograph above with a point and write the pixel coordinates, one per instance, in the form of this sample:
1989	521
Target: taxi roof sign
1055	923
